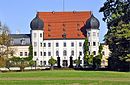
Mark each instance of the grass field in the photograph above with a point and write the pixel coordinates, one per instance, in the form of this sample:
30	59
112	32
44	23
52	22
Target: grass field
63	77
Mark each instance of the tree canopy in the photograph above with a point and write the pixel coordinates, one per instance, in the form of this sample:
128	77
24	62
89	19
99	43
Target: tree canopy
117	16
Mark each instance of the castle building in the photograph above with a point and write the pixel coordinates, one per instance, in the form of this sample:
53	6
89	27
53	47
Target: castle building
60	35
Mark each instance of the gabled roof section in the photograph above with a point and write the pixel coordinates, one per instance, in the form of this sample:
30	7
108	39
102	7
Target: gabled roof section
70	24
20	39
20	35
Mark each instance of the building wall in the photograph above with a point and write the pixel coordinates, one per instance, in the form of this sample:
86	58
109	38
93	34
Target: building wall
106	53
37	43
93	37
60	48
20	51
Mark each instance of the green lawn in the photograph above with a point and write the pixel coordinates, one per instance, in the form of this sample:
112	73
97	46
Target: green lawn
63	77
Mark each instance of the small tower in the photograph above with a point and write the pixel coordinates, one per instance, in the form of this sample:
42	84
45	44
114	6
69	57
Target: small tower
36	26
92	28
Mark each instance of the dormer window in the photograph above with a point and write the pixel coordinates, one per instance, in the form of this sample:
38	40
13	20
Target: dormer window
64	27
12	42
49	35
78	34
64	35
49	27
23	41
78	27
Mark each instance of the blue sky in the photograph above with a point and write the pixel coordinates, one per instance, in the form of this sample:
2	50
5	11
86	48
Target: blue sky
17	14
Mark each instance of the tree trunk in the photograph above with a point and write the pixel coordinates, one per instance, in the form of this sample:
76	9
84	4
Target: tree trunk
52	67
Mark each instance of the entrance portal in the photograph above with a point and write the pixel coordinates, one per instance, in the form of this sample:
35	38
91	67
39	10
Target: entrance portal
65	63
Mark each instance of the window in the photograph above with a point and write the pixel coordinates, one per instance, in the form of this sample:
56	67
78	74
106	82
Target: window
88	34
80	53
21	53
72	52
34	35
35	53
44	53
49	27
57	44
78	26
103	53
89	52
12	42
44	44
40	34
103	61
80	44
23	41
80	61
94	43
72	44
41	63
41	53
49	53
44	62
35	44
64	44
94	52
88	43
94	33
49	44
41	44
25	54
64	53
97	34
57	53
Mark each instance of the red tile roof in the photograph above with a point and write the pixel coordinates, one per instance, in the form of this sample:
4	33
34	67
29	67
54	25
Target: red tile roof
58	23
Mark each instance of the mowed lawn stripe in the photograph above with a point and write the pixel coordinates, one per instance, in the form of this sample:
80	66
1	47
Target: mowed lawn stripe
78	78
69	74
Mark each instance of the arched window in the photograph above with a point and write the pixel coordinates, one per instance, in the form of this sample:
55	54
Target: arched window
64	53
72	52
57	53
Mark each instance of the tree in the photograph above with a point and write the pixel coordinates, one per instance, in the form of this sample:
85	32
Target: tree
77	62
5	39
30	56
19	62
52	62
31	63
86	52
117	16
97	59
2	62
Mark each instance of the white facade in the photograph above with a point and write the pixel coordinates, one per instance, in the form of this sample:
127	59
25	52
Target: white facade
37	43
93	39
62	46
20	51
43	50
64	49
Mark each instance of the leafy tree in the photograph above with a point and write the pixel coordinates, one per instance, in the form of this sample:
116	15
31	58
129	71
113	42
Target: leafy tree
30	56
117	15
31	63
19	62
2	62
52	61
77	62
97	59
6	51
86	52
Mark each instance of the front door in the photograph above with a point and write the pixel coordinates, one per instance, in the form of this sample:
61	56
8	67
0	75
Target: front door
65	63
